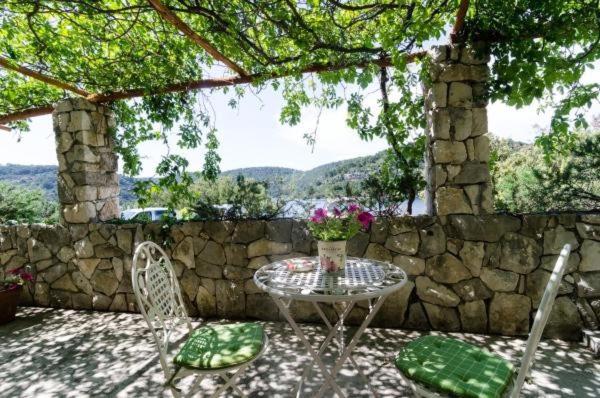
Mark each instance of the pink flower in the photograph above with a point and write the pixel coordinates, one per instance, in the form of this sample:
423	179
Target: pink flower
353	207
27	277
365	218
319	216
337	212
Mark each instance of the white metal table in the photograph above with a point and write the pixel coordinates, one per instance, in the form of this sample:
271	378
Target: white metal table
361	280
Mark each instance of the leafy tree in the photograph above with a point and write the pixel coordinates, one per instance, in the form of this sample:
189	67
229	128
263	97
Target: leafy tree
242	199
526	182
25	205
540	48
385	190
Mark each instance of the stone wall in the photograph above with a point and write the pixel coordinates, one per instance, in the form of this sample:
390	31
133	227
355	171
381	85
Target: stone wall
458	148
482	274
88	184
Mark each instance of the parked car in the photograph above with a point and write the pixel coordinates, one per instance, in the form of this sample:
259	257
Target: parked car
145	215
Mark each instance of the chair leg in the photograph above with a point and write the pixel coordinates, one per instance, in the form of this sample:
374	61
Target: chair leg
230	382
197	382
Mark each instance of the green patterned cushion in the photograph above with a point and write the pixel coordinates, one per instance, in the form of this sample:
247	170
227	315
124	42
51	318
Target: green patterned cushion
455	367
221	346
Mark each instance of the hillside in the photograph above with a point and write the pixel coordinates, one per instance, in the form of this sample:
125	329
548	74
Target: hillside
328	180
44	178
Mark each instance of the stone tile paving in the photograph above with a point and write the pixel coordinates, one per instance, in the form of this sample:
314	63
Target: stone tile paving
67	353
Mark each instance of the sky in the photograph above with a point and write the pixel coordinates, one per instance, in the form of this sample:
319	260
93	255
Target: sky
251	135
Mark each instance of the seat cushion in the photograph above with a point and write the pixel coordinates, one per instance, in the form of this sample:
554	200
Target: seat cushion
221	346
454	367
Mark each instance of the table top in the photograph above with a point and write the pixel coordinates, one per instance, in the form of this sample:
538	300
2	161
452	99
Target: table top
361	279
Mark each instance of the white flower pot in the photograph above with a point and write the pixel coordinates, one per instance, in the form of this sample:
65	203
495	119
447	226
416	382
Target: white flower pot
332	255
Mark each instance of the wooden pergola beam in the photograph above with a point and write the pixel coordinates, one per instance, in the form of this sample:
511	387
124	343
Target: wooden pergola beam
184	28
212	83
460	20
7	64
4	128
26	114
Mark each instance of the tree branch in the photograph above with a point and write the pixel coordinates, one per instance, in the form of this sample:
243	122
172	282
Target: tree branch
178	23
213	83
7	64
460	20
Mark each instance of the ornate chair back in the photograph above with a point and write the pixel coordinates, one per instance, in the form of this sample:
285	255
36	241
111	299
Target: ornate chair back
158	296
541	317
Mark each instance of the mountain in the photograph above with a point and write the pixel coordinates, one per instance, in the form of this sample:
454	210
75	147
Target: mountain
340	178
327	180
44	178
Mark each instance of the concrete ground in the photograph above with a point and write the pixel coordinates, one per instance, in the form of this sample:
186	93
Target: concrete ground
66	353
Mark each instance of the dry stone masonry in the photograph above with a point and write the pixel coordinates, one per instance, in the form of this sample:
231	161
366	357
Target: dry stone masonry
458	148
473	273
88	185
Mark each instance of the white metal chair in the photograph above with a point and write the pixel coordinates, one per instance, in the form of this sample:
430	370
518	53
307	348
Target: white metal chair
224	350
432	348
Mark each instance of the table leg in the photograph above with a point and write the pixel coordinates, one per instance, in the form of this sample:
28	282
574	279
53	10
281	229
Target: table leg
316	358
353	342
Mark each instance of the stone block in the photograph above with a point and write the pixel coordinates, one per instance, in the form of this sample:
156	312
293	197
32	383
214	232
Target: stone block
590	256
213	253
439	94
473	316
261	306
537	282
64	142
442	318
375	251
472	254
87	266
460	95
588	231
555	239
405	243
37	251
462	122
379	230
64	283
438	176
279	230
519	253
454	73
105	282
564	321
470	149
433	241
449	152
472	173
248	231
232	272
417	319
498	280
219	231
451	201
472	289
588	284
487	227
236	254
509	314
481	146
264	247
80	213
231	299
357	245
79	120
435	293
393	310
184	252
441	124
410	265
446	268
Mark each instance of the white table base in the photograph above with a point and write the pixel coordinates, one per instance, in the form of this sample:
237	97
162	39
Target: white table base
346	351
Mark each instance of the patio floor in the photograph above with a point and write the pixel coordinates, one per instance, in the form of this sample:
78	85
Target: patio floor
50	352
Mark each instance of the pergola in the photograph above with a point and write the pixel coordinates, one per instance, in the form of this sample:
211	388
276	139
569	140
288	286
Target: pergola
168	13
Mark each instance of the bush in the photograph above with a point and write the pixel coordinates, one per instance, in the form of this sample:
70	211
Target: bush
22	205
242	199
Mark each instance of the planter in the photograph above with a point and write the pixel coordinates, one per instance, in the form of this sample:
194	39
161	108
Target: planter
9	300
332	255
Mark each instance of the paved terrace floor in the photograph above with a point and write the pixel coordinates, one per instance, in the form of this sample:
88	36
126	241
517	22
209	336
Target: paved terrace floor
65	353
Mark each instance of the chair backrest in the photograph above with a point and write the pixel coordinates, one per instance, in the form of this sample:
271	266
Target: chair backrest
158	296
541	317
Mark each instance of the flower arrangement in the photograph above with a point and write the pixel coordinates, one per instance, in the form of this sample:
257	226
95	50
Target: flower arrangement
342	224
15	278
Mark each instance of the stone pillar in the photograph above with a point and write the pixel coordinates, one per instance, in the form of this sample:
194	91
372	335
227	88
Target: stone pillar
458	148
88	183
